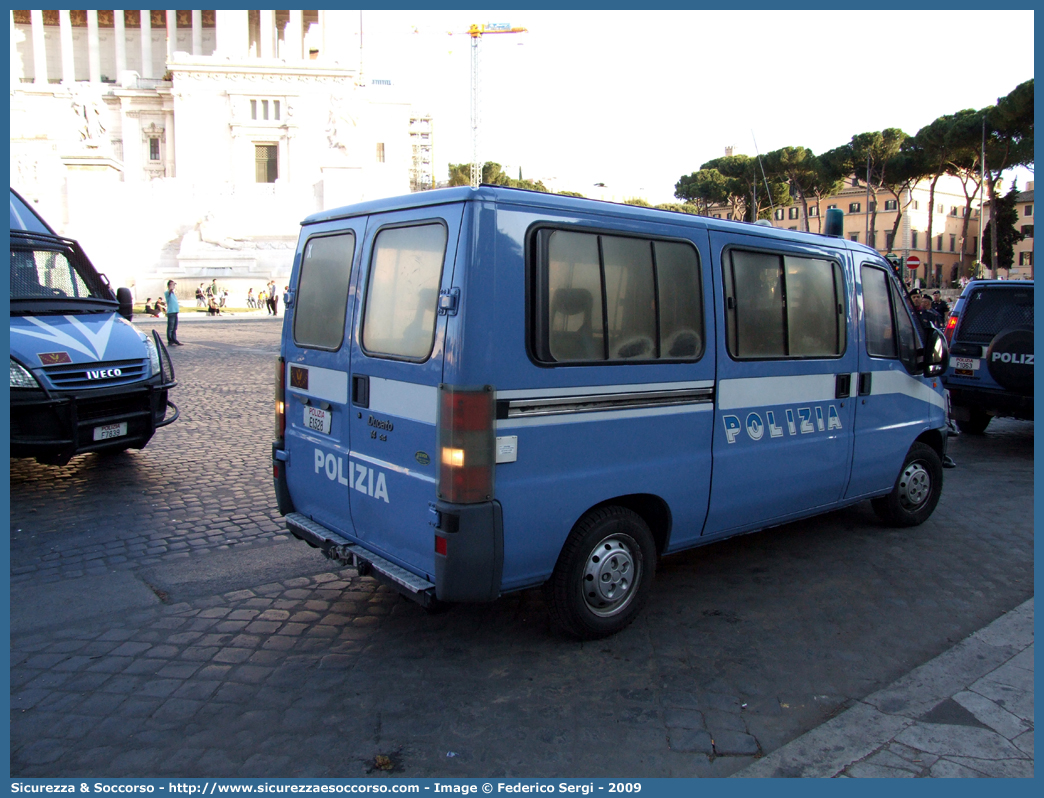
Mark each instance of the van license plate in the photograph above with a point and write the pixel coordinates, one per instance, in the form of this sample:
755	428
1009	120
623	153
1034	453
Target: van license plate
315	418
966	363
110	431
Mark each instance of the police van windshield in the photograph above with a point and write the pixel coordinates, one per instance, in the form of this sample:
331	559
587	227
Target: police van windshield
54	271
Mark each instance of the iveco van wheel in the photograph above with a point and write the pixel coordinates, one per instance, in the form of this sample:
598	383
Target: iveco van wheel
604	574
976	423
916	491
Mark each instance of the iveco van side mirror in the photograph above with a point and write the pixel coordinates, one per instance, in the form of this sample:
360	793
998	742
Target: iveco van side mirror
126	300
936	354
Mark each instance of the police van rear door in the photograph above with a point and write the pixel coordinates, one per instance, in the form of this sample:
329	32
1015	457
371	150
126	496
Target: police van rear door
783	421
317	347
396	367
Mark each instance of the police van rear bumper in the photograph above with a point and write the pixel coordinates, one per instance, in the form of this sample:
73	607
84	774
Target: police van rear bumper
468	564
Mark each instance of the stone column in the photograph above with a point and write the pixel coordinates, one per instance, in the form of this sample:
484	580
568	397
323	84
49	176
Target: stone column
197	32
266	33
93	46
146	44
65	29
168	129
295	36
172	33
120	34
39	48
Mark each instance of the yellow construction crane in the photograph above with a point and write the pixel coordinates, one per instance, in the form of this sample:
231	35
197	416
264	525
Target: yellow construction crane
476	32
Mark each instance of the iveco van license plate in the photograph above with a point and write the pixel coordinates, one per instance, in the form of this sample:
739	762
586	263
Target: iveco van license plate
315	418
110	431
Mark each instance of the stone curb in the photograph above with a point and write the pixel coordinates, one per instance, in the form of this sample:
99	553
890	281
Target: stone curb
877	720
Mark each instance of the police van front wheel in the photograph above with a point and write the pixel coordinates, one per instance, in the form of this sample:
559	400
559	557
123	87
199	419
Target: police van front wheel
916	491
604	574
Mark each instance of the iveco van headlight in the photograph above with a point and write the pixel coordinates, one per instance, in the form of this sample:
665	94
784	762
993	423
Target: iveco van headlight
154	360
20	376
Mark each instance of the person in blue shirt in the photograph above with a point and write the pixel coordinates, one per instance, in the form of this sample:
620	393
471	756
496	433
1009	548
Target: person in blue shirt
171	299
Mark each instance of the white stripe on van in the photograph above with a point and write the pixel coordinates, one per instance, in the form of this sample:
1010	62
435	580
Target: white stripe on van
889	381
323	383
404	399
605	415
583	390
386	464
761	391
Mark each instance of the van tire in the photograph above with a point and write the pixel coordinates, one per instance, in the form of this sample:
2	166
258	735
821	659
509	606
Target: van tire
916	491
976	423
625	575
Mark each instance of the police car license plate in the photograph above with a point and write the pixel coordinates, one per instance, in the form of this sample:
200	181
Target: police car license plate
966	363
315	418
110	431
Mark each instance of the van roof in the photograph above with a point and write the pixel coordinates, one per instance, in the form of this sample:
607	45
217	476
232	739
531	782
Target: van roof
23	217
506	195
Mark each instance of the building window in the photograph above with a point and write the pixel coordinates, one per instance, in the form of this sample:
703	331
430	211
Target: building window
871	206
814	211
940	208
953	243
917	205
831	207
1027	211
794	213
154	151
938	243
891	205
1026	258
266	163
913	239
1027	230
380	152
953	210
792	227
264	110
853	237
778	214
717	216
889	241
854	207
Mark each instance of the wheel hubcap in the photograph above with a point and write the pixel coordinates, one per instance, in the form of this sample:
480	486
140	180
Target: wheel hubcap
915	486
610	575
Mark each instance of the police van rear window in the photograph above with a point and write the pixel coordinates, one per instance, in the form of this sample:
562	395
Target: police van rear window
322	291
402	291
992	309
783	306
609	298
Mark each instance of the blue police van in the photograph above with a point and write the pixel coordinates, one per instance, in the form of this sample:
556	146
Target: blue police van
83	378
485	390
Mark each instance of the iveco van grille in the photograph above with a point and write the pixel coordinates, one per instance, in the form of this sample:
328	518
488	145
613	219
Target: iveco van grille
79	376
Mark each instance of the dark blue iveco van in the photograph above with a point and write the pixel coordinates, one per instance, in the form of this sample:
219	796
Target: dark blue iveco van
83	378
485	390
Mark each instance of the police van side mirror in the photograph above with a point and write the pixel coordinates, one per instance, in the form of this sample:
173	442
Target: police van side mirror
936	354
126	300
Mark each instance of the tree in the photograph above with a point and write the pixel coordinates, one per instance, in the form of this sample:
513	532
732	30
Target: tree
679	207
965	162
570	194
933	148
829	172
797	166
905	170
1004	216
1009	142
703	189
492	174
875	150
637	201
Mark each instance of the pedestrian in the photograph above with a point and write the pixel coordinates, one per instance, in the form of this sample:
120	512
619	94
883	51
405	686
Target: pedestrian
274	294
171	299
262	300
224	298
928	316
213	288
251	302
939	305
201	298
286	296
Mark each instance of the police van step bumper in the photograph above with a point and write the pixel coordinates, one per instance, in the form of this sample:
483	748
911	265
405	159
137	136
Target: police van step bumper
338	547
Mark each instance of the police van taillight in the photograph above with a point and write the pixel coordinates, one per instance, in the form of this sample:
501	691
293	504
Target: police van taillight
467	443
280	399
951	325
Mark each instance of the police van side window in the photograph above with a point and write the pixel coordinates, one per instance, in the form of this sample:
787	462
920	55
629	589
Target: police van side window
616	298
402	293
877	314
783	306
322	291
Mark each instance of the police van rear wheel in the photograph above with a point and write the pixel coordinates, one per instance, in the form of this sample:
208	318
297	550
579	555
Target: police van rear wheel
916	491
604	574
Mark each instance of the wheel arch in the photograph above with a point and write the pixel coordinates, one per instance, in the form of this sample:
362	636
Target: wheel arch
652	509
933	438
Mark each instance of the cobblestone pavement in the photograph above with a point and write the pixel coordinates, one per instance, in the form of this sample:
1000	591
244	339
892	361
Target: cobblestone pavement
744	646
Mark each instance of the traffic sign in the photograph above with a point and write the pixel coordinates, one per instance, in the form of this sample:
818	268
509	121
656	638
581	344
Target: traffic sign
913	262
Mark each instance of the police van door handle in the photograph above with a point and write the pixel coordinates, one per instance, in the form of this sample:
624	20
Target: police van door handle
843	386
360	390
864	383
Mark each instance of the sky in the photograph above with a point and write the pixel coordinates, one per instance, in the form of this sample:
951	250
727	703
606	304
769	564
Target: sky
635	100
